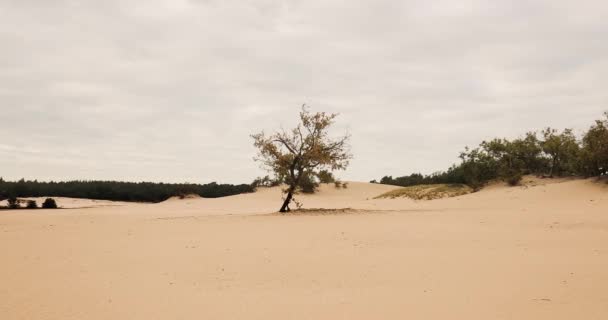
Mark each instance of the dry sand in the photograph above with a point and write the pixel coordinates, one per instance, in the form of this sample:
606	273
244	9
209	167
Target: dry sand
535	252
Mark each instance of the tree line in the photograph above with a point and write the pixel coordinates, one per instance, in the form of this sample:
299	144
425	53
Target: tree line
546	153
116	191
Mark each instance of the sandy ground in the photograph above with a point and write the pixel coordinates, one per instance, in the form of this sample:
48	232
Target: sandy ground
534	252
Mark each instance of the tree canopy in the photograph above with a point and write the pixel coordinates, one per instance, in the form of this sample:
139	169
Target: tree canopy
301	154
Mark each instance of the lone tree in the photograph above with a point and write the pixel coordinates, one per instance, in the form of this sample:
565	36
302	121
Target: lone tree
303	152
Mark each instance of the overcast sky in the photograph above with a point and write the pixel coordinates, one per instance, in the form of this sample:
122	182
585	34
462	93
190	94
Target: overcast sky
170	90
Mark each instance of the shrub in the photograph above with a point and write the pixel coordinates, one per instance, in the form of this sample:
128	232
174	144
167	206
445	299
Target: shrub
308	184
13	203
31	204
326	177
514	179
339	184
49	203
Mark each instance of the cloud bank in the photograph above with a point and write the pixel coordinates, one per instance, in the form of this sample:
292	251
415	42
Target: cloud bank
169	90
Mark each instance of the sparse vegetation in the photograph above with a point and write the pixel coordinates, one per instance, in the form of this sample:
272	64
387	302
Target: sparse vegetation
428	192
339	184
555	153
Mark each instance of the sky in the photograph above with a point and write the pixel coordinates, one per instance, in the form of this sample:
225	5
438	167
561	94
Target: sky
170	90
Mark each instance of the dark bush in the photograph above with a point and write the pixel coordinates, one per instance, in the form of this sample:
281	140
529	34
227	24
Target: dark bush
514	179
31	204
49	203
326	177
13	203
308	184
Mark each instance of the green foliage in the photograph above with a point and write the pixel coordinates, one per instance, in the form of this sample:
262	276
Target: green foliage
594	157
266	181
31	204
527	153
49	203
325	176
563	151
454	174
478	167
308	183
118	191
554	154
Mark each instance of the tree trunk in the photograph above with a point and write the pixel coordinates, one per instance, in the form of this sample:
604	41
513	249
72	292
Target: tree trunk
553	165
285	206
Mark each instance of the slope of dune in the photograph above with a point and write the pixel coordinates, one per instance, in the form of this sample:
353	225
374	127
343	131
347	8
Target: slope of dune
539	251
267	200
534	193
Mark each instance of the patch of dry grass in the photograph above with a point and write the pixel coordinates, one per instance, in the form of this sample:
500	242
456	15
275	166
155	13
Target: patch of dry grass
428	192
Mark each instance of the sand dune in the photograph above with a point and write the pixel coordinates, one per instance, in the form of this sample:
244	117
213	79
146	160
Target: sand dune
534	252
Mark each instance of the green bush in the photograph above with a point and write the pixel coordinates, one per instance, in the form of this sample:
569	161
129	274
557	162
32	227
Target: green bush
552	153
31	204
308	184
326	177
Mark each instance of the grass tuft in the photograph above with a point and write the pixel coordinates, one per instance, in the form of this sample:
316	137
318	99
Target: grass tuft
428	192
